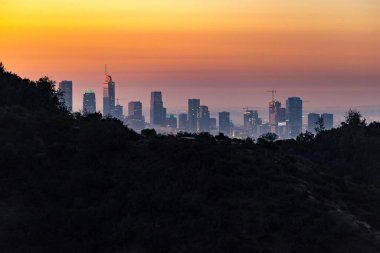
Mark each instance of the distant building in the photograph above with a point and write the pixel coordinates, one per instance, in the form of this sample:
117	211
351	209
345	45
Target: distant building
108	96
294	116
264	129
135	110
204	119
156	109
118	113
225	125
193	114
250	119
328	120
89	102
66	87
135	117
274	111
312	119
182	121
213	124
171	120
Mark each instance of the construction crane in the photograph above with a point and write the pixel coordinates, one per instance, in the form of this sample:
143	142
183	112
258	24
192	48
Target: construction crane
273	93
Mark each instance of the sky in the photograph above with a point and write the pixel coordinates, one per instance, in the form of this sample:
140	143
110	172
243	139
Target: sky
228	53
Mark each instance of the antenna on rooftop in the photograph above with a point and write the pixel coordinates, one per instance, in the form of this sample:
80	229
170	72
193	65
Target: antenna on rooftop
105	69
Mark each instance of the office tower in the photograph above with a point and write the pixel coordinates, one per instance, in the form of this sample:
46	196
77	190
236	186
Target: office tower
171	120
118	112
66	87
135	110
225	125
156	109
89	102
328	120
193	114
281	115
204	119
213	124
264	129
108	96
274	110
182	121
312	119
135	118
250	119
294	116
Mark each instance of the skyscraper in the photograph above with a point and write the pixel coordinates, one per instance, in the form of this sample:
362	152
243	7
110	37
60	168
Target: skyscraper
193	114
135	117
250	119
171	120
156	109
312	119
135	110
89	102
213	124
204	119
294	116
225	125
118	113
274	111
328	120
66	87
182	121
108	96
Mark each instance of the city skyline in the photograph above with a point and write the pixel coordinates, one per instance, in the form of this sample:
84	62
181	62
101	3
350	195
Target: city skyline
224	52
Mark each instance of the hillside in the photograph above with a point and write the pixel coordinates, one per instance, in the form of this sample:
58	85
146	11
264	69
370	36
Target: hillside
85	184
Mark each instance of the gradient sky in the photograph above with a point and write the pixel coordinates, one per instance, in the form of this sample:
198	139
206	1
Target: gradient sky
228	53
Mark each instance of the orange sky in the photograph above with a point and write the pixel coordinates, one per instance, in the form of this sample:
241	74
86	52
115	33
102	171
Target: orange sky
225	52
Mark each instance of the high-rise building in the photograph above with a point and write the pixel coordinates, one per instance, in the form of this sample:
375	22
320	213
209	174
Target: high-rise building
135	117
89	102
193	114
328	120
250	119
66	87
204	119
118	113
274	111
135	110
182	121
213	124
156	109
171	120
312	119
294	116
225	125
108	96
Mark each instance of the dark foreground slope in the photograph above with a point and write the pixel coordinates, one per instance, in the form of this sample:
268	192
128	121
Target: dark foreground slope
83	184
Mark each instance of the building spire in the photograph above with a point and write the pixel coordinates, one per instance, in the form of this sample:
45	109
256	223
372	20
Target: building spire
105	69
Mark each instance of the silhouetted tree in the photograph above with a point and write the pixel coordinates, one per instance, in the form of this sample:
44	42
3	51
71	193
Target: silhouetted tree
354	118
320	125
269	137
148	133
305	137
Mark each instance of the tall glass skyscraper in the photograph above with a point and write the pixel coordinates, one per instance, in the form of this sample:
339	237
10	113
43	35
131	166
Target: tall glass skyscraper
108	96
204	119
66	87
193	114
312	119
294	116
225	125
328	120
89	102
156	109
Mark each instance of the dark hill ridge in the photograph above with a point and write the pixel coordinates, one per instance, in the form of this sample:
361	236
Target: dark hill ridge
84	184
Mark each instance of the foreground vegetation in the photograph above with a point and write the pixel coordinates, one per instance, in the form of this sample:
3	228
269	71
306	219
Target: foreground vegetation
71	183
